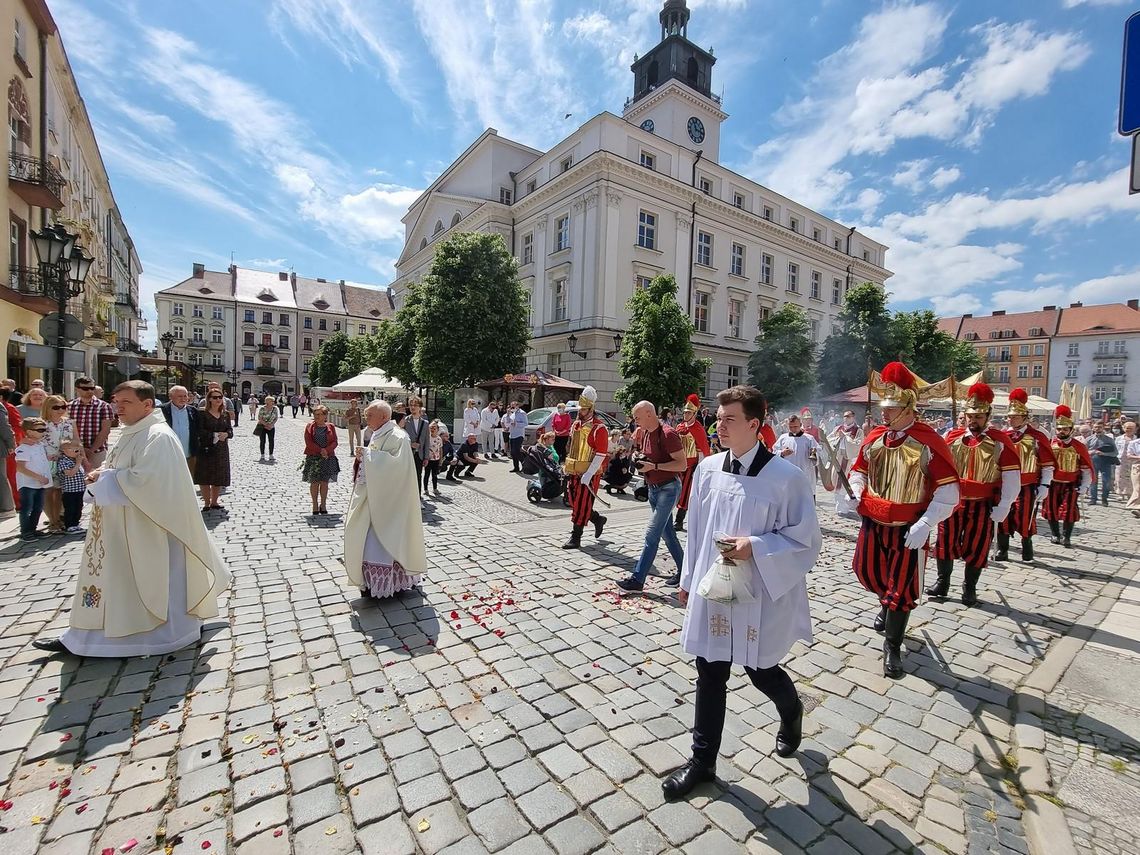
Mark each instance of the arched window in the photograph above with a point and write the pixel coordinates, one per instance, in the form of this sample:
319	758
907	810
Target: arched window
455	219
692	70
423	243
438	227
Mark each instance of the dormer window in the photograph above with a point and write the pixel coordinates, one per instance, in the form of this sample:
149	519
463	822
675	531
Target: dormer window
438	227
267	295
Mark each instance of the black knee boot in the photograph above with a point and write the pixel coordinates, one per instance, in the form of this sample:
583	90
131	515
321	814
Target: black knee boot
599	523
1002	553
1067	539
575	541
892	644
942	587
1027	549
679	520
880	620
1055	528
970	585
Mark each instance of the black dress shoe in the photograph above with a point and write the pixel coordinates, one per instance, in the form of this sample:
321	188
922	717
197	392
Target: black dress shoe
673	581
630	584
51	645
790	734
681	783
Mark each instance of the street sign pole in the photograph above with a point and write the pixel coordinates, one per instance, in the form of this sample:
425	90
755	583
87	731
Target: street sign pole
1130	78
1134	183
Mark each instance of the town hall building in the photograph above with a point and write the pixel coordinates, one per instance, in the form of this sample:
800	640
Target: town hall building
622	200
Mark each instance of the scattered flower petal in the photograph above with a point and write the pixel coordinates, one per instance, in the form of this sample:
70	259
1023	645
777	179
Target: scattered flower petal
423	826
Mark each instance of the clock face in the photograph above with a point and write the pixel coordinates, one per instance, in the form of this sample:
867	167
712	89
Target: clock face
696	130
647	125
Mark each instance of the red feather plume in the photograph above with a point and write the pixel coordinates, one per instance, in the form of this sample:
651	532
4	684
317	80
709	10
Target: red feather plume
899	374
1063	412
694	400
981	392
1019	395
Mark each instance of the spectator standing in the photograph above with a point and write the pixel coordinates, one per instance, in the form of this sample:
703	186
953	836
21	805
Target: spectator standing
662	460
32	403
321	465
471	418
92	417
183	420
33	476
280	402
304	402
1124	467
212	468
267	425
294	403
416	427
15	420
497	434
488	421
59	431
352	421
1102	449
560	424
7	447
516	432
434	457
1133	454
72	478
253	404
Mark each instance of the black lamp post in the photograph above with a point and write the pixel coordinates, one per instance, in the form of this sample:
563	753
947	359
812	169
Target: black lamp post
167	341
572	341
234	376
64	267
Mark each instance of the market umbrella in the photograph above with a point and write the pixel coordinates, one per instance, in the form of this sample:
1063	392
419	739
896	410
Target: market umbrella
1086	404
1065	394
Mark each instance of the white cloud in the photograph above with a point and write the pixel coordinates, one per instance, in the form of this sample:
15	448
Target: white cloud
1117	288
955	304
87	37
944	176
910	175
877	97
1070	4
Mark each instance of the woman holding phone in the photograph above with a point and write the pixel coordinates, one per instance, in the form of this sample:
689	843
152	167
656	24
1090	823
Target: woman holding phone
212	471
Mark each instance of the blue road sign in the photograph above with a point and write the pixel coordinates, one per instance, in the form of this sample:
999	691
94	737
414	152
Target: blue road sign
1130	78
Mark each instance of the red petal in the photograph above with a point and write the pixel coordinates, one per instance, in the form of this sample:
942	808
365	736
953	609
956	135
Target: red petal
65	738
129	845
64	793
458	625
278	832
206	844
81	808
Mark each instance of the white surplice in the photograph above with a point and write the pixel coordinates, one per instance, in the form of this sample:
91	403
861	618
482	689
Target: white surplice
775	509
802	447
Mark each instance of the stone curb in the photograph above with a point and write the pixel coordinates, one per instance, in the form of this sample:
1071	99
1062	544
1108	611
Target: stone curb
1046	828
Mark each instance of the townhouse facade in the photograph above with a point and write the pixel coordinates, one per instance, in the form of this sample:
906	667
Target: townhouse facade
1092	348
1015	347
256	332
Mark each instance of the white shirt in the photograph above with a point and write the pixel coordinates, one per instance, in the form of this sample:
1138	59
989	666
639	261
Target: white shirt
1133	449
488	419
34	457
470	421
745	459
802	446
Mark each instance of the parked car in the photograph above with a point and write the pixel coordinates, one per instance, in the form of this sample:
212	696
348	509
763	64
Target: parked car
541	418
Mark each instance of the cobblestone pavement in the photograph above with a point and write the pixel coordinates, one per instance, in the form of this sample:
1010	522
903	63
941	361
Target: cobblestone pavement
514	704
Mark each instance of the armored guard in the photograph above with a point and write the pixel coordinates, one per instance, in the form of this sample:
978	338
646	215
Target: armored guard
1072	471
904	484
585	462
695	444
989	477
1036	460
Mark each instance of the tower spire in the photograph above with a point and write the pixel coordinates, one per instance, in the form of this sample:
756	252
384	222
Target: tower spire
674	19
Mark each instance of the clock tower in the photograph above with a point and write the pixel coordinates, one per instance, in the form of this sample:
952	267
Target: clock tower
672	88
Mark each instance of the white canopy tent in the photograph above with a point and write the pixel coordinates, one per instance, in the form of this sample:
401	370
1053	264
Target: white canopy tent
370	380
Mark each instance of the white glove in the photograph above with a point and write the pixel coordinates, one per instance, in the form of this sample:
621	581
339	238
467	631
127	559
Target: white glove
918	535
999	513
594	466
847	505
1042	492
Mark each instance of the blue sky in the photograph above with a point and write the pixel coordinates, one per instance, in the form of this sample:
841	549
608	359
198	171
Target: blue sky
977	140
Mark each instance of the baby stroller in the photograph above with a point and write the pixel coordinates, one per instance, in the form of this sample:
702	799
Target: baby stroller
618	474
548	482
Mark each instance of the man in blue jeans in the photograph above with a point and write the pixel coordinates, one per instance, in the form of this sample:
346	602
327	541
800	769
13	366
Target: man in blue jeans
661	461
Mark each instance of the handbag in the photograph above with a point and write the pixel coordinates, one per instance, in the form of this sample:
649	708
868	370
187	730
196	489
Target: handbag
259	430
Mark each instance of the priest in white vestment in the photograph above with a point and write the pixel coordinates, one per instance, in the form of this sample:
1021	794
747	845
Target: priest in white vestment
384	532
150	572
799	448
763	504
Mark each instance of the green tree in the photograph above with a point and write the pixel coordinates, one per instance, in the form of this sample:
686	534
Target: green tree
328	359
394	347
863	338
315	369
932	353
360	354
657	360
473	321
783	364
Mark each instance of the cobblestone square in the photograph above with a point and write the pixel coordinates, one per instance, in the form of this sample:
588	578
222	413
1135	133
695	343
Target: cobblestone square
515	704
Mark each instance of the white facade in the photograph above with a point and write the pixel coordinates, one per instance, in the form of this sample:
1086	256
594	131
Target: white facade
1100	362
622	200
267	326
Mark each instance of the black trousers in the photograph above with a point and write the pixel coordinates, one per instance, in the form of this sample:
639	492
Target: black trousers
516	451
560	444
72	508
712	695
419	468
431	468
268	433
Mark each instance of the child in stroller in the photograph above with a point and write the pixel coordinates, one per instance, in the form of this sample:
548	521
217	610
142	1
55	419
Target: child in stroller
541	461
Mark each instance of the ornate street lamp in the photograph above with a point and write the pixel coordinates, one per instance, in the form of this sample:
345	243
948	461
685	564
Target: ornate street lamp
572	341
234	376
64	267
167	341
617	346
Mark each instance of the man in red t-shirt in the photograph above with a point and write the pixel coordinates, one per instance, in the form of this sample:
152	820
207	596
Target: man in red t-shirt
661	460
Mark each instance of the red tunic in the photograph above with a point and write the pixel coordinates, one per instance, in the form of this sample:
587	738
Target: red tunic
941	470
767	436
971	488
813	432
700	440
1084	460
1043	452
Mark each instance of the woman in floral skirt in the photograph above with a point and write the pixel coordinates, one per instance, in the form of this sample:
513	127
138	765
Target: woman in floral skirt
321	465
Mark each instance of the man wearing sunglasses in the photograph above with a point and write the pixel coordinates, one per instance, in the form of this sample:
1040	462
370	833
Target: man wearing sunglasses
93	418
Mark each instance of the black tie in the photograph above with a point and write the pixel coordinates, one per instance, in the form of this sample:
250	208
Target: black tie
735	467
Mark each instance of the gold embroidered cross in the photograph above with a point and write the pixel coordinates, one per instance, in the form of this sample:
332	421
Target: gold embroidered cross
718	625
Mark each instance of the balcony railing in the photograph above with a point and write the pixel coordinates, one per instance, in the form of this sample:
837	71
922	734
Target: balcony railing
1106	355
129	345
126	300
197	344
266	370
267	348
27	280
36	182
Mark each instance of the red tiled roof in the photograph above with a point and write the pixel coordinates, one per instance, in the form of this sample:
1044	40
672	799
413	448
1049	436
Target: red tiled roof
1090	320
1020	322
